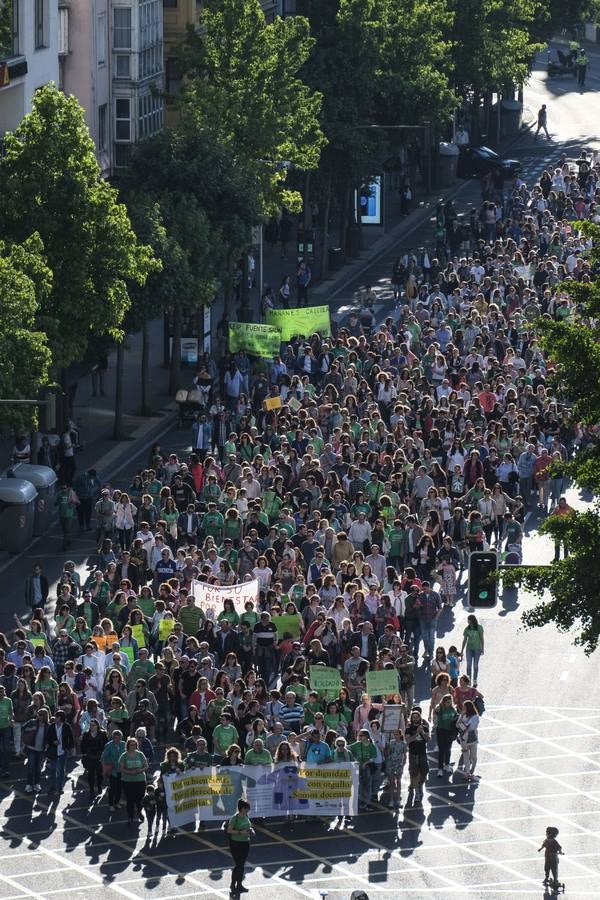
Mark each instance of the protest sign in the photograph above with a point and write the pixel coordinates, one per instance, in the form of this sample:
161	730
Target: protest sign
260	340
304	321
382	683
325	678
138	633
128	652
210	597
212	793
392	718
272	403
165	627
290	624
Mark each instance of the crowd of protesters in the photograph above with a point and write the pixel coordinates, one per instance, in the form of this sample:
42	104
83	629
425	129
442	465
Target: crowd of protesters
395	451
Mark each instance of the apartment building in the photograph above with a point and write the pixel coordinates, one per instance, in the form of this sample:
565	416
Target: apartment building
114	66
29	35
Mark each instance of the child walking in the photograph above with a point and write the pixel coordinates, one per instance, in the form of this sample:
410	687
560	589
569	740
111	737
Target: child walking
551	849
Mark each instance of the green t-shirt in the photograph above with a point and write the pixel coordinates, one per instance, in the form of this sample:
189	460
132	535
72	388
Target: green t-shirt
362	753
240	823
474	637
128	764
6	712
223	737
253	758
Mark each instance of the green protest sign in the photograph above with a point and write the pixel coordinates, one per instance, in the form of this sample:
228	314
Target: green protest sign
325	678
289	624
128	651
382	683
138	633
302	322
260	340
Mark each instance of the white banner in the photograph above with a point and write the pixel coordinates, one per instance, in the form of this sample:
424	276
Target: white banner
211	794
209	597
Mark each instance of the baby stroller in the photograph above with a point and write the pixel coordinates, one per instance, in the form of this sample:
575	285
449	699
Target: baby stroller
513	555
190	403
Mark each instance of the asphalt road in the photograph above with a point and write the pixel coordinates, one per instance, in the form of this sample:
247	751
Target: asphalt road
539	743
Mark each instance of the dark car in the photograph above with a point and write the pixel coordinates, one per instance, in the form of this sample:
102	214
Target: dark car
474	162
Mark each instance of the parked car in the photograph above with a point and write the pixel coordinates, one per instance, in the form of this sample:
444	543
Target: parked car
474	162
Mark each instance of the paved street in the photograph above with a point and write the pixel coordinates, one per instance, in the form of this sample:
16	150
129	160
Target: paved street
539	745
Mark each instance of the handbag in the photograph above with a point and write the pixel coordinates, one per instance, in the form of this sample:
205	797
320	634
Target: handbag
479	704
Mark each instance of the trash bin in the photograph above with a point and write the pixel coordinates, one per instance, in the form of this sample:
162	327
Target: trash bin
44	479
17	513
334	258
447	163
512	112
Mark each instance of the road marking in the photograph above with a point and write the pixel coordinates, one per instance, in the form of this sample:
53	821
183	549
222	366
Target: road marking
94	830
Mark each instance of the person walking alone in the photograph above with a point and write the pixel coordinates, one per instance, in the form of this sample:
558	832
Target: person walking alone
240	830
542	122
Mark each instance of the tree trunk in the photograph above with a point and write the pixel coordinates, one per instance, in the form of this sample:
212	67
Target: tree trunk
146	410
325	234
344	217
118	424
175	363
227	288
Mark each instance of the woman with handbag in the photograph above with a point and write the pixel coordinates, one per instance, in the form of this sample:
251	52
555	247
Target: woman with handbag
467	726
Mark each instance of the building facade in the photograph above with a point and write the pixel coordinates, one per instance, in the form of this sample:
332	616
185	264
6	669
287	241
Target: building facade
273	8
114	66
29	33
85	68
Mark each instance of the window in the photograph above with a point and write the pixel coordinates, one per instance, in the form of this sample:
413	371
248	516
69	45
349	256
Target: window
150	114
122	28
9	29
122	120
40	21
170	4
122	65
102	122
101	39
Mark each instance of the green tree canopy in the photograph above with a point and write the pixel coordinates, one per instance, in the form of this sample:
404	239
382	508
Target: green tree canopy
50	183
494	42
569	589
244	88
25	283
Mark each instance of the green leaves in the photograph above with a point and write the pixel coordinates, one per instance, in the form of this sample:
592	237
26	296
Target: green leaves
569	589
24	354
50	184
245	90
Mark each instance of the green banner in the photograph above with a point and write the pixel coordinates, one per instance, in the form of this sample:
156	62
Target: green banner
260	340
382	683
325	678
290	624
302	322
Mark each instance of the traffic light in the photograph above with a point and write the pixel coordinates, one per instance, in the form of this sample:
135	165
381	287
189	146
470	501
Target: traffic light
483	585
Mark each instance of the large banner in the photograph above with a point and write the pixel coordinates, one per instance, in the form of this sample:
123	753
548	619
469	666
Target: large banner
302	322
261	340
209	597
211	794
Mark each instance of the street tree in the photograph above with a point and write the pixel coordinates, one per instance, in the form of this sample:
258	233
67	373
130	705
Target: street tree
569	589
494	44
243	85
190	201
50	183
25	283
